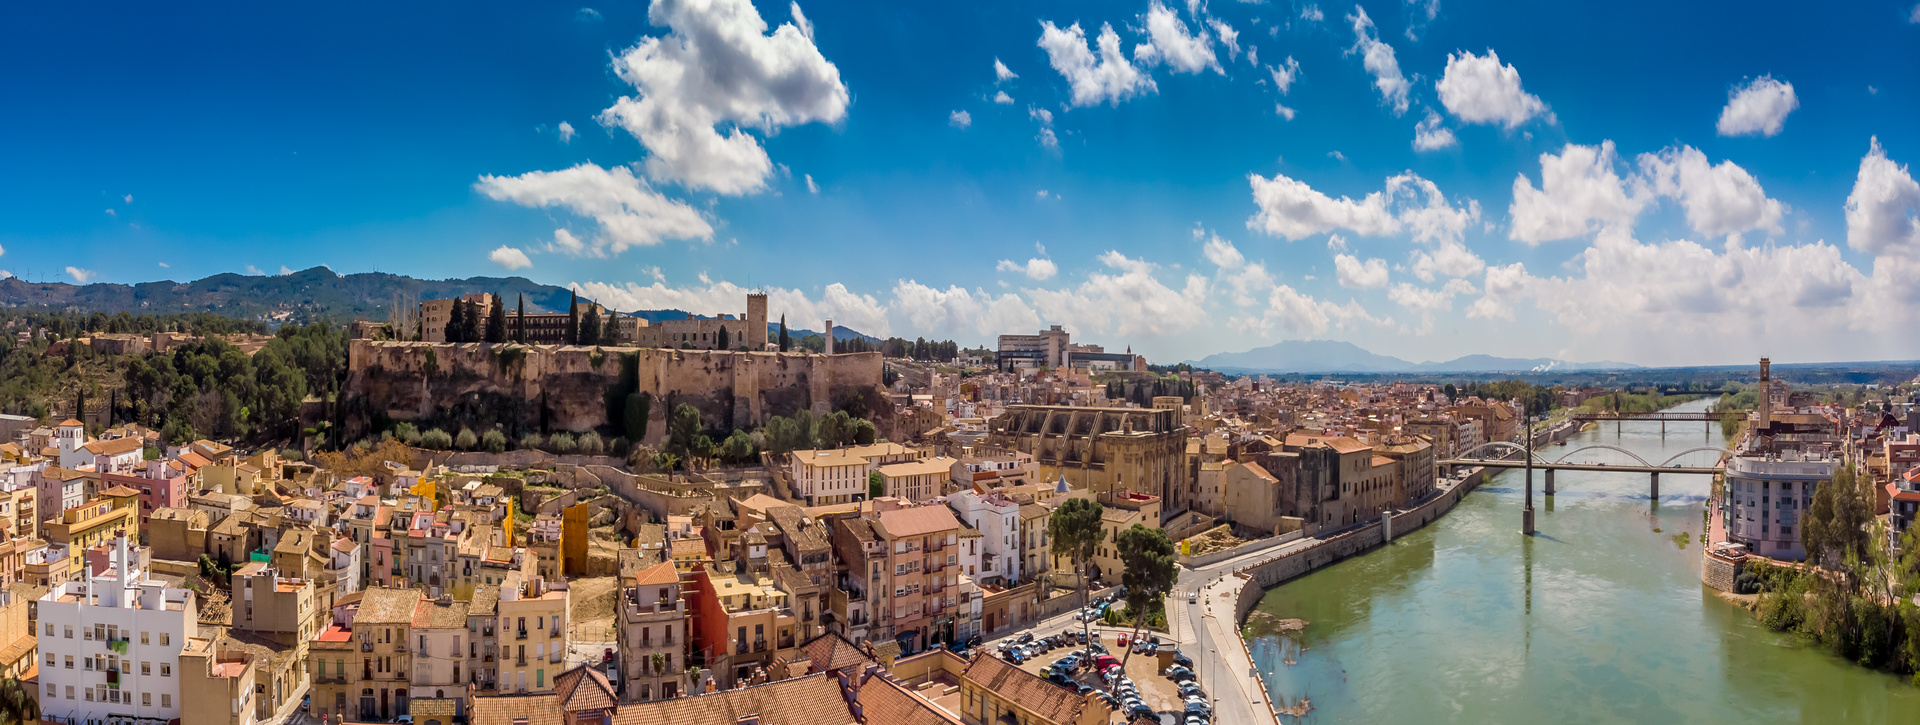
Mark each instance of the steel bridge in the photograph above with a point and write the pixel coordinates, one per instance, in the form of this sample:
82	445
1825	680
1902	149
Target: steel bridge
1514	455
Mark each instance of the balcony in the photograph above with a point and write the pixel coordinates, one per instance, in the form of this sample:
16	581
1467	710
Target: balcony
759	645
740	648
335	679
786	642
521	635
520	661
366	646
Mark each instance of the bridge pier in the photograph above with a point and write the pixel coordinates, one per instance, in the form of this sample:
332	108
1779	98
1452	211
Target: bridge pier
1549	482
1526	521
1656	484
1663	429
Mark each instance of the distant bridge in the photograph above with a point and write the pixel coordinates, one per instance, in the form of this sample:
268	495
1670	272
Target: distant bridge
1513	455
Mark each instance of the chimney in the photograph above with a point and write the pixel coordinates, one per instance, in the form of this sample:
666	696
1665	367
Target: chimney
829	337
1766	394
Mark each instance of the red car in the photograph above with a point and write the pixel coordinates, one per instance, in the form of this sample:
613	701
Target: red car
609	655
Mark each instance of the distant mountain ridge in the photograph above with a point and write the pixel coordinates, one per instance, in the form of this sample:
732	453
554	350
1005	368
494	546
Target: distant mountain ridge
1333	356
307	295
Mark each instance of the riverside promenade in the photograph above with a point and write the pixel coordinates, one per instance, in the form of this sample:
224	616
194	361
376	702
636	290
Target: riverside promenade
1228	590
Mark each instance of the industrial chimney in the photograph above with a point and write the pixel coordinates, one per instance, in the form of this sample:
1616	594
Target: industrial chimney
1766	395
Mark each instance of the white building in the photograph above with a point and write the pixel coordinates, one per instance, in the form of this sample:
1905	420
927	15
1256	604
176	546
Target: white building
997	518
824	478
110	646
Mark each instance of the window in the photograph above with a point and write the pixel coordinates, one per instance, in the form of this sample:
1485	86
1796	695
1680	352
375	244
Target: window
166	700
166	670
69	692
68	629
69	662
165	639
146	668
49	629
143	637
146	699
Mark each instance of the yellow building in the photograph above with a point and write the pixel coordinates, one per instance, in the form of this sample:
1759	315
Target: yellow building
115	511
919	480
573	539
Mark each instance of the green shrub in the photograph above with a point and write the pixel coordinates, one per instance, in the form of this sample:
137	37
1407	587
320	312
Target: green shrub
531	441
590	444
494	441
466	441
561	443
436	439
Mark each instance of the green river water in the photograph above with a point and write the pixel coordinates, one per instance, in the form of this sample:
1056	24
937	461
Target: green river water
1601	617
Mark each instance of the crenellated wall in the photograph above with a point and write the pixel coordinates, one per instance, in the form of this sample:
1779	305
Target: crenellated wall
410	380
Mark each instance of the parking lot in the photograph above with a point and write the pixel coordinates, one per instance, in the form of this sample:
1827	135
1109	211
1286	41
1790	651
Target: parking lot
1155	689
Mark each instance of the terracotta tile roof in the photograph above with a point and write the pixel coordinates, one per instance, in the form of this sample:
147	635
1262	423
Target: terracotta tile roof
916	521
541	709
809	700
887	702
68	423
383	605
433	615
114	446
659	574
1048	701
583	688
831	651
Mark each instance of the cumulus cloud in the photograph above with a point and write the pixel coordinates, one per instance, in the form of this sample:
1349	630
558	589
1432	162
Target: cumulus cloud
627	210
1223	254
1281	110
285	270
1228	37
1299	314
1291	209
1579	193
83	276
719	68
587	15
845	307
1379	60
1128	301
1719	199
1244	281
1284	74
1478	89
1037	269
1356	274
566	132
1424	302
956	309
1883	210
1109	78
1002	98
1311	13
1758	108
1169	41
960	120
1045	118
509	257
1429	135
1001	73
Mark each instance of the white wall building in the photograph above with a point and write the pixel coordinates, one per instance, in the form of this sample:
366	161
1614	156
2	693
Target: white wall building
824	478
997	518
110	646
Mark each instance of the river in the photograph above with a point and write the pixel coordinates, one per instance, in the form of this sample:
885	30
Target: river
1601	617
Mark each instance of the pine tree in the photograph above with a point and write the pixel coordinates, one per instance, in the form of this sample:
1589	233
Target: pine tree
456	321
610	330
720	339
784	342
496	321
573	320
520	322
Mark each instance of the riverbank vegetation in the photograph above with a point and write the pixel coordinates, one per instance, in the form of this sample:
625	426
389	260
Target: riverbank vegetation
1857	602
1634	403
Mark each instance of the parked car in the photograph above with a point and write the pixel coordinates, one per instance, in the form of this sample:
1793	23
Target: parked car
1181	659
1081	688
608	655
1179	674
1025	637
1199	705
1193	596
1191	689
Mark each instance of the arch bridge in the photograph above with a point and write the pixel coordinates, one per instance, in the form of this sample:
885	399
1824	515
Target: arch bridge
1504	454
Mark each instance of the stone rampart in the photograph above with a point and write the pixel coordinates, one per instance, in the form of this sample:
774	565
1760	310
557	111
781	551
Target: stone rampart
414	380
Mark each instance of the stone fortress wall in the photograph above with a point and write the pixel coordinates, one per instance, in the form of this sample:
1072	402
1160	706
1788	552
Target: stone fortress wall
411	380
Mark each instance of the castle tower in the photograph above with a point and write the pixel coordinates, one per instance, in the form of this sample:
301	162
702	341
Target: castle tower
756	321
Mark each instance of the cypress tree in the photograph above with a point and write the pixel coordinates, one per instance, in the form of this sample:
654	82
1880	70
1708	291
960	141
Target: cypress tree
720	339
783	334
456	321
589	332
610	330
520	322
573	320
496	320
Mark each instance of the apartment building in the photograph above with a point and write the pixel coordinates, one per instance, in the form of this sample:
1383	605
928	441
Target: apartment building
114	513
921	570
440	667
741	621
997	518
652	635
861	590
111	645
917	480
532	633
829	477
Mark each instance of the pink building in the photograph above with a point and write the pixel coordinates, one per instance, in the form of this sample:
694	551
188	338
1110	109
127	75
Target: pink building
155	493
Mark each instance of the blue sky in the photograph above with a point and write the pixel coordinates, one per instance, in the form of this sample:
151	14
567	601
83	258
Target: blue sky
1661	183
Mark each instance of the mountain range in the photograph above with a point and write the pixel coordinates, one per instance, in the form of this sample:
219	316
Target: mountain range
1332	356
307	295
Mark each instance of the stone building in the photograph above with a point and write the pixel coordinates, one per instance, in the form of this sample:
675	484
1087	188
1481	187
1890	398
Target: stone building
1107	451
746	331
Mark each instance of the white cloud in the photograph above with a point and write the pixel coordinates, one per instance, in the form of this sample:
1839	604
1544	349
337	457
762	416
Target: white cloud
1578	188
1449	257
955	309
1336	155
1311	13
1356	274
1109	79
1169	41
1299	314
718	68
1046	137
129	198
1003	99
1758	108
164	265
1129	302
565	241
1379	59
112	213
285	270
1228	37
1284	74
1719	199
1038	269
1001	73
510	258
1914	17
1429	135
960	120
1291	209
1424	302
251	270
1283	111
1223	254
566	132
587	15
1478	89
812	187
628	211
1883	210
860	312
82	276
